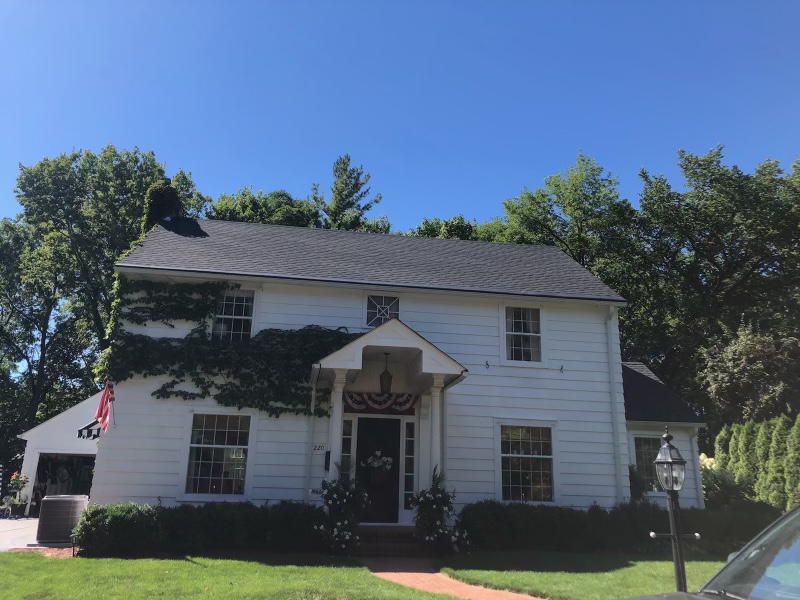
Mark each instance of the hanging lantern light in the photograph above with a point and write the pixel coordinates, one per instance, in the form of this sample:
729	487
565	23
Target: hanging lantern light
386	377
670	465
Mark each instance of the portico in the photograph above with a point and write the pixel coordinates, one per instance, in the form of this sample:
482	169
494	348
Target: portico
389	439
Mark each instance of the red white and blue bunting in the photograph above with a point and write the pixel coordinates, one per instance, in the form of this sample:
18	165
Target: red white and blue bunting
370	402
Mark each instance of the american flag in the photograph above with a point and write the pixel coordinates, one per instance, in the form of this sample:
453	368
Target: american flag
103	414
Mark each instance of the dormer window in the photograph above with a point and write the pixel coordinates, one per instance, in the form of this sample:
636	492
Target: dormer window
381	309
234	319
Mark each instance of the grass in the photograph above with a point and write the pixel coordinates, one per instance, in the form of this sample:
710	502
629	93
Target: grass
563	576
29	576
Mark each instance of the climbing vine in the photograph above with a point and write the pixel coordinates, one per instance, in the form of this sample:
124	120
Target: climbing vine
269	372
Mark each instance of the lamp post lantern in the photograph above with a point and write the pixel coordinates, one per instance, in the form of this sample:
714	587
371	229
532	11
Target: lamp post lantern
671	471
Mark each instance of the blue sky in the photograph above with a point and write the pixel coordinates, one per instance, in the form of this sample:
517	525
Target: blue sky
451	106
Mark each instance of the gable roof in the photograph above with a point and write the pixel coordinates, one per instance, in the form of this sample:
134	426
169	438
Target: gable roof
277	251
648	399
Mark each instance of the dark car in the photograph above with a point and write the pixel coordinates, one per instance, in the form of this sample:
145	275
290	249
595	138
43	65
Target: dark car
768	568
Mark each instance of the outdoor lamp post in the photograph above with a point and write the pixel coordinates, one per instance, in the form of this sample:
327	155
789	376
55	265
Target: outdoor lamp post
671	471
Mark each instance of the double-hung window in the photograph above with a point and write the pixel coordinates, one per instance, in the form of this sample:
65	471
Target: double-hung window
218	454
523	334
234	319
526	463
646	450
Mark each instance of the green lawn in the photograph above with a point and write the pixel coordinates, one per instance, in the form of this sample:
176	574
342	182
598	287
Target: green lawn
576	576
31	576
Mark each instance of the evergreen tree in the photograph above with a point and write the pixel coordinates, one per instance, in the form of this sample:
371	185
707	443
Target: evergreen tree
721	447
746	465
733	447
763	441
791	467
349	201
775	483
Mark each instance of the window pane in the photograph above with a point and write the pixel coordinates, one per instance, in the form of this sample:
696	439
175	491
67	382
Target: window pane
381	309
526	465
218	454
646	449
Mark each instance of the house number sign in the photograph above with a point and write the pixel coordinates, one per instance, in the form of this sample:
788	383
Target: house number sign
319	449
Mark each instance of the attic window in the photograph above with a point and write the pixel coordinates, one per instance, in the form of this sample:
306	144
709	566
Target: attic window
381	309
234	320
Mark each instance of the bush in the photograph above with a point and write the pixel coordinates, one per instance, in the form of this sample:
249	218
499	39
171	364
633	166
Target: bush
721	490
495	525
141	530
433	508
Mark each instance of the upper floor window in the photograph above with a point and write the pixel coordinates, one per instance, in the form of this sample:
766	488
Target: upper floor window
234	319
646	449
523	334
381	309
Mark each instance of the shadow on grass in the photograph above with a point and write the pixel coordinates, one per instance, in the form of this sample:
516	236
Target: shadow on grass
556	562
265	558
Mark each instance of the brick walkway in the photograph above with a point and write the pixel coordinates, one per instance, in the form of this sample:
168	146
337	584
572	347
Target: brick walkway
421	574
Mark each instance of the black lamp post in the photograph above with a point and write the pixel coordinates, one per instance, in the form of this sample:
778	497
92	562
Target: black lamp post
671	471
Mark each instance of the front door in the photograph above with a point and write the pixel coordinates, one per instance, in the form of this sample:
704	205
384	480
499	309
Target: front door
375	472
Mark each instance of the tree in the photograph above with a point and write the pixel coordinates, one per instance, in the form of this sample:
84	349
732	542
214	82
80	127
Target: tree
349	200
457	228
92	205
721	447
774	491
733	447
763	443
277	208
746	465
791	467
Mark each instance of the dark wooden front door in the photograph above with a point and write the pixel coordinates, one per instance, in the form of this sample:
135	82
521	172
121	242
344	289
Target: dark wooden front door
382	485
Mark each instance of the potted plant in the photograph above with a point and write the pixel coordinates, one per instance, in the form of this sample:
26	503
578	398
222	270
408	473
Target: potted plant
15	485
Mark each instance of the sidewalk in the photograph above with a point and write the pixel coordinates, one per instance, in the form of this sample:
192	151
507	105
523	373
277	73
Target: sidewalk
421	574
17	533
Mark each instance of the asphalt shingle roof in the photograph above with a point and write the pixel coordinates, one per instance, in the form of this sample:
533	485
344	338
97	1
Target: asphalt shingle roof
648	399
276	251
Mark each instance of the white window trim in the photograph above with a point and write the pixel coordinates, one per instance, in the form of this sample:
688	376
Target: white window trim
365	304
501	325
498	462
632	435
183	495
253	330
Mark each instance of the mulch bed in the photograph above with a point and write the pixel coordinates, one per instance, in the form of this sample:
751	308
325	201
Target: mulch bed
51	552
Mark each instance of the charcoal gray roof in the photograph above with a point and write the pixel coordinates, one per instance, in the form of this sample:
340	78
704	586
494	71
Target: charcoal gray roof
648	399
277	251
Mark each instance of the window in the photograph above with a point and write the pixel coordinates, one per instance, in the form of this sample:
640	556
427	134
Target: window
381	309
526	457
408	483
234	320
523	334
347	465
218	454
646	449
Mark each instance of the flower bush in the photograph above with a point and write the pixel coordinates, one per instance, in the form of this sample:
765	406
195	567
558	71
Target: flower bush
17	482
433	508
343	501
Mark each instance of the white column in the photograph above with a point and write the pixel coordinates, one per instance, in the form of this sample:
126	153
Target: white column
436	423
335	429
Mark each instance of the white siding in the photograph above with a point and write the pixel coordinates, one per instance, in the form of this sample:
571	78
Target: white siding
142	457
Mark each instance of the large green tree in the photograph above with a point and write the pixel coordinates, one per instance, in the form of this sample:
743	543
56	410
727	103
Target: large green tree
277	208
349	200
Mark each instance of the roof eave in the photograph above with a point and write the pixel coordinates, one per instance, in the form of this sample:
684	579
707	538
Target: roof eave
134	268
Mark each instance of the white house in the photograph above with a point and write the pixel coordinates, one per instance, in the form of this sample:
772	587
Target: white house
505	364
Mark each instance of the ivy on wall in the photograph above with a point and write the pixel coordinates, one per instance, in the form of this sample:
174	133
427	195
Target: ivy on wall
269	372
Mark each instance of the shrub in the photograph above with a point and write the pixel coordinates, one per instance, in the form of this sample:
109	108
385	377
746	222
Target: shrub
721	490
721	447
344	501
792	466
496	525
746	463
763	441
774	490
140	530
433	508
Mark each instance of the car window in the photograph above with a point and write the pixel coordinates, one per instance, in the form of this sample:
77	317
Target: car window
768	568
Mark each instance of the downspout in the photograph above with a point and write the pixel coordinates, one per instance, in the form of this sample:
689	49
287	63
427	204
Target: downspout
612	391
315	369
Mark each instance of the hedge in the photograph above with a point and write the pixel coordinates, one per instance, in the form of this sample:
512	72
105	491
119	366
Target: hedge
121	530
518	526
